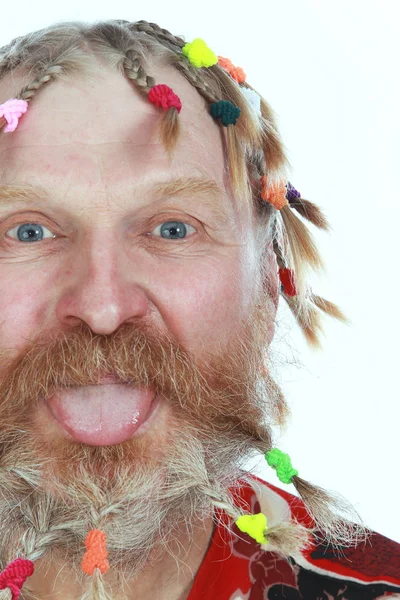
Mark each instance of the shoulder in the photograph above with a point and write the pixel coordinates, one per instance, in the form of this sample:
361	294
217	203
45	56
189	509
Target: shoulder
370	570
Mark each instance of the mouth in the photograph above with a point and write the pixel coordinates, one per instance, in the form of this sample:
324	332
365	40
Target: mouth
102	415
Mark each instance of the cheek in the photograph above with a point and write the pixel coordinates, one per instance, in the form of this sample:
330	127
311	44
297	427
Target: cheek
208	303
19	301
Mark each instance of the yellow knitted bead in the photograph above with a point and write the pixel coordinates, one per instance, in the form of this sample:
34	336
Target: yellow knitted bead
254	526
199	54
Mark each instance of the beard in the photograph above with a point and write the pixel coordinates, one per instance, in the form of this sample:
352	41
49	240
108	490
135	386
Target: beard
148	491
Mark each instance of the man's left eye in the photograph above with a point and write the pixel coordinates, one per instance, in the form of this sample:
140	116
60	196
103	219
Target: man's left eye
174	230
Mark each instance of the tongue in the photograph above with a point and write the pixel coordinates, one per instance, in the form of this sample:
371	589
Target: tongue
101	415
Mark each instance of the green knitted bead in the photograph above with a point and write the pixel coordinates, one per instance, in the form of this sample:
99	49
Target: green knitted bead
225	110
282	463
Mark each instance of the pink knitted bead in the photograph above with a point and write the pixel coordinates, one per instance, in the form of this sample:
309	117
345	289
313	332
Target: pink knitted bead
12	110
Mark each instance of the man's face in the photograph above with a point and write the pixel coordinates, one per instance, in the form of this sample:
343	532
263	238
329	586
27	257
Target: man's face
175	307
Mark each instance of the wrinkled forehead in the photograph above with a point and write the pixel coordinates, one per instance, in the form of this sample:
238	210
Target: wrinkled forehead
107	117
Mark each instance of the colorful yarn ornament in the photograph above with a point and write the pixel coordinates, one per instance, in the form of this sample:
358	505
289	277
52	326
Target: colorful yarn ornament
163	96
225	110
282	463
15	575
96	554
199	54
292	194
287	279
253	99
236	73
254	526
12	110
274	193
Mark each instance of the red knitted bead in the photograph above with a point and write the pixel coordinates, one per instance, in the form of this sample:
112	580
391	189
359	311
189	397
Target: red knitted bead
163	96
15	575
287	279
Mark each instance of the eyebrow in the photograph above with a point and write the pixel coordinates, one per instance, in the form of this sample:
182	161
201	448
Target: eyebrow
194	187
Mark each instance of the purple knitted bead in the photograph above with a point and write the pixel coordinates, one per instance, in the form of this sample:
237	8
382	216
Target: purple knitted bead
292	194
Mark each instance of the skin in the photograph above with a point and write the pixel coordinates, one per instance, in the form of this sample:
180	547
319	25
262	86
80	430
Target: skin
94	160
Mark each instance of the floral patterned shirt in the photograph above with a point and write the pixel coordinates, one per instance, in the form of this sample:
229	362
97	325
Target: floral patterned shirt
236	567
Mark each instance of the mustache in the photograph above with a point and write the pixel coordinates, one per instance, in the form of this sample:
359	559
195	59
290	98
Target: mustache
214	388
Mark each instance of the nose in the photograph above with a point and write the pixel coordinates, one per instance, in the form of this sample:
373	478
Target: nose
104	289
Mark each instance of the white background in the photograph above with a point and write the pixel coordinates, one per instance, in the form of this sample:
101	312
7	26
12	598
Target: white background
330	70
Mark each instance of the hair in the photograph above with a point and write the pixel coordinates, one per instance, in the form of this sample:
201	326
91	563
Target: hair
254	149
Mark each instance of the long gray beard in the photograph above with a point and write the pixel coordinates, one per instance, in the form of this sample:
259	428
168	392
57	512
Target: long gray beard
142	511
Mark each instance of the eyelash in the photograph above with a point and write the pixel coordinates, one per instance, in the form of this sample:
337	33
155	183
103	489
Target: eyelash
167	220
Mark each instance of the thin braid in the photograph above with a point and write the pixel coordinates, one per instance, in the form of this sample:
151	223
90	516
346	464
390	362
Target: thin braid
191	73
169	124
226	89
47	74
134	70
285	538
40	537
118	33
194	76
121	38
158	32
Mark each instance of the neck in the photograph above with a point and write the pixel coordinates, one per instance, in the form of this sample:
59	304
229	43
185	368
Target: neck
169	578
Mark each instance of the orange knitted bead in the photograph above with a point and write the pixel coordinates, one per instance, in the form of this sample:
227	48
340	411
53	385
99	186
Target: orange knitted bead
96	553
274	193
236	72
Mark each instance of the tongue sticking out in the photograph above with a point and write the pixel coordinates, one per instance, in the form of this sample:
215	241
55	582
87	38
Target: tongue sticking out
101	415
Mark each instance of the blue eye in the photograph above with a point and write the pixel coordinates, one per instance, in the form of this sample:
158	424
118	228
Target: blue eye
174	229
30	232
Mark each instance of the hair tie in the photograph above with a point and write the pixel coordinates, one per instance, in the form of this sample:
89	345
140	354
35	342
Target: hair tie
12	110
96	553
254	525
292	194
274	193
15	575
227	111
199	54
163	96
287	280
282	463
236	73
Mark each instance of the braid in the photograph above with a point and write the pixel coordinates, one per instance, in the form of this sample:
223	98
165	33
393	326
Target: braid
246	131
160	34
134	71
28	92
119	37
169	125
285	538
48	74
42	534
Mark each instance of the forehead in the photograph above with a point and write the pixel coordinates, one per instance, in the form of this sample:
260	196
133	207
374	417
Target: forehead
102	130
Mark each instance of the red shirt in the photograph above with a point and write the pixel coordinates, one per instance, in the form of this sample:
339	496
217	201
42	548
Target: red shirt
236	567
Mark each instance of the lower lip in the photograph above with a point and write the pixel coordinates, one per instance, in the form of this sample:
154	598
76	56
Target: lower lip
139	406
